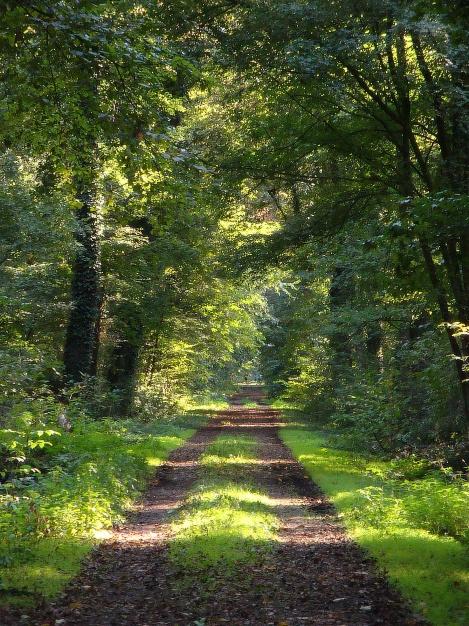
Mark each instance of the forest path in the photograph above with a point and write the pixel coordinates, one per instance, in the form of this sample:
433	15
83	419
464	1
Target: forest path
313	575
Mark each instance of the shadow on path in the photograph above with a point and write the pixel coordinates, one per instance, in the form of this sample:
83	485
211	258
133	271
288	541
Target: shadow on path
313	575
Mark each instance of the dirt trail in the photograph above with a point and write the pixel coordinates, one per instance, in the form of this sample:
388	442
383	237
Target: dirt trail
315	575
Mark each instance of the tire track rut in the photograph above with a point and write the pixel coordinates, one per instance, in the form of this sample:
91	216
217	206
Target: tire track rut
315	575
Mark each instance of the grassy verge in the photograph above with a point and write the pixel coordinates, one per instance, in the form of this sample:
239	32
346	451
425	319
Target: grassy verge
226	522
205	403
51	519
404	524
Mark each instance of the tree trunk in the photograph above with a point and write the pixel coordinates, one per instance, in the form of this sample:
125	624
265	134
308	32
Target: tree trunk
80	340
121	374
447	319
97	335
407	190
340	292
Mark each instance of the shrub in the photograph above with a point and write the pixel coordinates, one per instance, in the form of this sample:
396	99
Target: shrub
438	506
72	484
431	503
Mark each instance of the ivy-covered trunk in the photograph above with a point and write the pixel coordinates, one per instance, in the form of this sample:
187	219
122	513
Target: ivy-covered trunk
81	338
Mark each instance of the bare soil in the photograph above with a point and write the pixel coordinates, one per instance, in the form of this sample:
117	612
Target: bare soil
314	575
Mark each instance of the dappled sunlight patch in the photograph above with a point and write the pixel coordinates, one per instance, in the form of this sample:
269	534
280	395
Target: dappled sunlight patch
154	461
102	534
224	523
325	460
232	494
227	451
156	447
50	564
430	568
169	442
249	425
204	405
214	460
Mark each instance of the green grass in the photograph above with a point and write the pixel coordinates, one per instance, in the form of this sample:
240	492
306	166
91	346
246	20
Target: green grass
49	565
249	404
226	522
95	473
430	569
227	451
203	404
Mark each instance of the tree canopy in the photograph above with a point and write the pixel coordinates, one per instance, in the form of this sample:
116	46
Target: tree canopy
194	193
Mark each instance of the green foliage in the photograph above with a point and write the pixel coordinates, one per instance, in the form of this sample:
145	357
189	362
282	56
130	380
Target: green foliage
430	504
374	367
86	481
194	196
438	507
370	231
35	246
412	527
410	467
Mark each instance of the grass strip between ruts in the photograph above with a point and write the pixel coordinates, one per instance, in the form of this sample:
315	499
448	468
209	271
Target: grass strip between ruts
225	521
431	570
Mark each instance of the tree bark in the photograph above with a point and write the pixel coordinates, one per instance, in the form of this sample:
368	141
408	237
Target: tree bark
121	374
447	319
80	340
340	292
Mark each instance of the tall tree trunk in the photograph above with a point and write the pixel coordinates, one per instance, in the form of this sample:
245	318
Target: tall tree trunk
121	374
373	343
340	292
82	336
97	334
80	341
448	320
155	354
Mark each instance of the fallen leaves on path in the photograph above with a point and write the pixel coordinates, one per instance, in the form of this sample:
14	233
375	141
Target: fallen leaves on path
314	575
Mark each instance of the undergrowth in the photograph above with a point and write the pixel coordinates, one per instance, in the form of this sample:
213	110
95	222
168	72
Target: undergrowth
226	522
412	518
60	491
